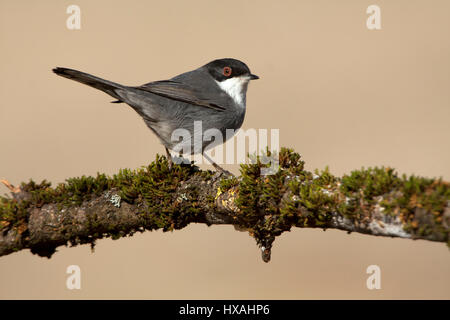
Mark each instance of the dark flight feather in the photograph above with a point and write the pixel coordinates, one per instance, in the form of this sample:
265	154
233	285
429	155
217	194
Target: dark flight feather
180	92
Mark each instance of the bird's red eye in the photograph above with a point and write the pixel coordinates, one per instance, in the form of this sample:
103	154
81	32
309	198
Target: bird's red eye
227	71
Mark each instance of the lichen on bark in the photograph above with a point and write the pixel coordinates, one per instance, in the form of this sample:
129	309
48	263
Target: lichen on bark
82	210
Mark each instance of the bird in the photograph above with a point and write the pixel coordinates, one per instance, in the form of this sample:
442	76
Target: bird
211	97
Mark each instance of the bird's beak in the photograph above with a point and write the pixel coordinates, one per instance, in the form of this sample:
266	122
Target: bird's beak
253	77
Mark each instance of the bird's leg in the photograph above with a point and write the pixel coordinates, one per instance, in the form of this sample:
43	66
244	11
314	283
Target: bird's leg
216	166
169	158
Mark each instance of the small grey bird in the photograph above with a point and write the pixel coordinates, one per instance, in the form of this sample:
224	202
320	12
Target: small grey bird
213	95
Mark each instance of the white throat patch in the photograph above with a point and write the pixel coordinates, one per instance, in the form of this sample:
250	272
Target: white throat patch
236	88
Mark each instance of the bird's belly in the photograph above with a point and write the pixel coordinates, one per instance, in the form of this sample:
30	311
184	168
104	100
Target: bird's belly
193	135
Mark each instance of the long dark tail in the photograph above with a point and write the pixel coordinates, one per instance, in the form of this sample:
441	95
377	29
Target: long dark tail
90	80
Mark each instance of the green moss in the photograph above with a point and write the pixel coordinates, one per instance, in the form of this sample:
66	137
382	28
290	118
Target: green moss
272	191
324	177
155	186
264	194
249	190
362	187
12	213
267	211
262	203
418	202
290	160
311	201
152	185
228	182
417	195
430	194
372	182
268	205
207	174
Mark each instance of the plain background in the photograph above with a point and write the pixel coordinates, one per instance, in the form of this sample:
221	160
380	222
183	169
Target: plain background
341	95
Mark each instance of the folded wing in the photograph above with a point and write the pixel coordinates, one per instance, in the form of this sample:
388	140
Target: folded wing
181	92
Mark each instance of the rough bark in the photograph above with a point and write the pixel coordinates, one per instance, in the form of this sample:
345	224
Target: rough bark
374	201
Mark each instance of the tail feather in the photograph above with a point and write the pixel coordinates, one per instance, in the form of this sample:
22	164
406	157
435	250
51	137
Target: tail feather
90	80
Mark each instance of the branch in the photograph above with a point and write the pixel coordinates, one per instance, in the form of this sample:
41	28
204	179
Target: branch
373	201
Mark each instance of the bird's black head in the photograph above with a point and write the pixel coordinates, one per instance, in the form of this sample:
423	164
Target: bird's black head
223	69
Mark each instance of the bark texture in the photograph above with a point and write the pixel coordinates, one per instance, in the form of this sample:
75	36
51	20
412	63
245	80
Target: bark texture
372	201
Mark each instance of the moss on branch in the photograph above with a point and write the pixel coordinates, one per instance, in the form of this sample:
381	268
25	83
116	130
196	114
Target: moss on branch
373	201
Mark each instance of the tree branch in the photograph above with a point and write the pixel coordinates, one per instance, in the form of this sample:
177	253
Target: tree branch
372	201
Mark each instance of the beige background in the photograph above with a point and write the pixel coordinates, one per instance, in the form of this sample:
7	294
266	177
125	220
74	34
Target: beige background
340	94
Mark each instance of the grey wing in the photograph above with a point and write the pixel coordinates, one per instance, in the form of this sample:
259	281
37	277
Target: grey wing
181	92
